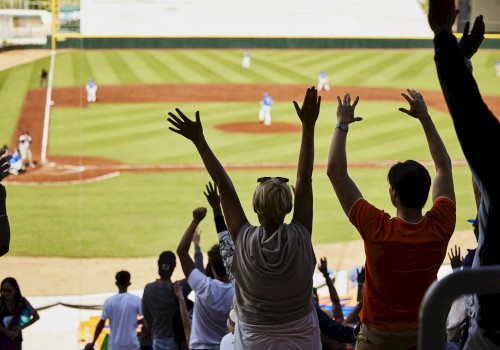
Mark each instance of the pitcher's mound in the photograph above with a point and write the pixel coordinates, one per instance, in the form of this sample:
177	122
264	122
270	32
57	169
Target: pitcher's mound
259	128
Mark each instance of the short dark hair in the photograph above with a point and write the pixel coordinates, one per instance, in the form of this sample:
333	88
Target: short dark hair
166	264
122	278
412	182
216	260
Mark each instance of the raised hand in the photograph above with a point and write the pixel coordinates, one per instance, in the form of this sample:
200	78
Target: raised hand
361	275
4	164
309	112
323	266
178	290
197	237
442	14
199	214
192	130
345	111
455	257
470	42
418	108
212	196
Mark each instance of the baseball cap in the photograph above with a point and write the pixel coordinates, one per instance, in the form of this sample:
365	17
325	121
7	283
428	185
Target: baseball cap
166	261
473	221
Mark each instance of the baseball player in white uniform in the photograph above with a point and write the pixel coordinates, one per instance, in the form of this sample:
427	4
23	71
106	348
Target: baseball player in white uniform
265	109
323	81
246	60
91	88
497	67
25	149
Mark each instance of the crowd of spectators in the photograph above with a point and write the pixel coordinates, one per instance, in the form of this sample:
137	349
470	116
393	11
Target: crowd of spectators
256	290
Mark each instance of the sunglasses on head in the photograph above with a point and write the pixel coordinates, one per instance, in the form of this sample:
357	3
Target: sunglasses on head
267	178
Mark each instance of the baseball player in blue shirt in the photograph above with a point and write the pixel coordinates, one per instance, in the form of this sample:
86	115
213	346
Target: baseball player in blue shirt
265	109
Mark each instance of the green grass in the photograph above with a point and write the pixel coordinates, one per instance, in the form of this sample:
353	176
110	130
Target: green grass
100	131
138	214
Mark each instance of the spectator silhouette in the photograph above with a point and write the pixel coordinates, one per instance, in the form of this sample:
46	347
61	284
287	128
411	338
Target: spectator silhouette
213	296
159	304
183	311
122	310
409	247
273	263
4	220
467	108
16	313
43	77
338	314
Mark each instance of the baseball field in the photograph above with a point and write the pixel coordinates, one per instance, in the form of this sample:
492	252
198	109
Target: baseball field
119	184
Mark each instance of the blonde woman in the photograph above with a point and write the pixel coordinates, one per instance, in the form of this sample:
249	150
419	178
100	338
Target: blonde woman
274	262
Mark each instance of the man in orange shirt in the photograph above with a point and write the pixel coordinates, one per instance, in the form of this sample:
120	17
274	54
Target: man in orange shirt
403	253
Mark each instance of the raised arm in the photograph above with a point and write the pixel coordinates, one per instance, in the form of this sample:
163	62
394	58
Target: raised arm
308	114
226	244
193	130
334	295
345	188
4	220
187	262
443	181
98	329
183	310
4	223
198	256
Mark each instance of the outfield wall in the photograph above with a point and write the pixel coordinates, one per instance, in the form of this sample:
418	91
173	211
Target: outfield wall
243	18
82	42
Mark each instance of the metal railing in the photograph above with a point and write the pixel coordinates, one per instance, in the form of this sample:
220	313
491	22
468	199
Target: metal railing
440	295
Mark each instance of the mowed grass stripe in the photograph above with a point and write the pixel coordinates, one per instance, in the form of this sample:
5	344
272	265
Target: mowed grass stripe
342	66
231	71
356	71
81	68
394	72
124	72
12	95
251	74
102	69
201	67
145	72
289	74
162	70
322	58
376	66
419	67
64	70
38	65
175	62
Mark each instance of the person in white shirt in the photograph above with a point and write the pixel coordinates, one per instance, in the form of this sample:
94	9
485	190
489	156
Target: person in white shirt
213	296
25	149
122	311
91	88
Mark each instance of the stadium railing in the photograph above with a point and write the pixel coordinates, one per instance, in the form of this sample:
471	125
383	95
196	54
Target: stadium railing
440	295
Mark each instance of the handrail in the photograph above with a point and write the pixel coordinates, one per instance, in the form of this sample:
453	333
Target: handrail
440	295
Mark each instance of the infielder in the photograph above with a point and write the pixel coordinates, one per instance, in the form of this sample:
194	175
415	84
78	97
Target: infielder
246	60
91	88
323	81
25	149
265	109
